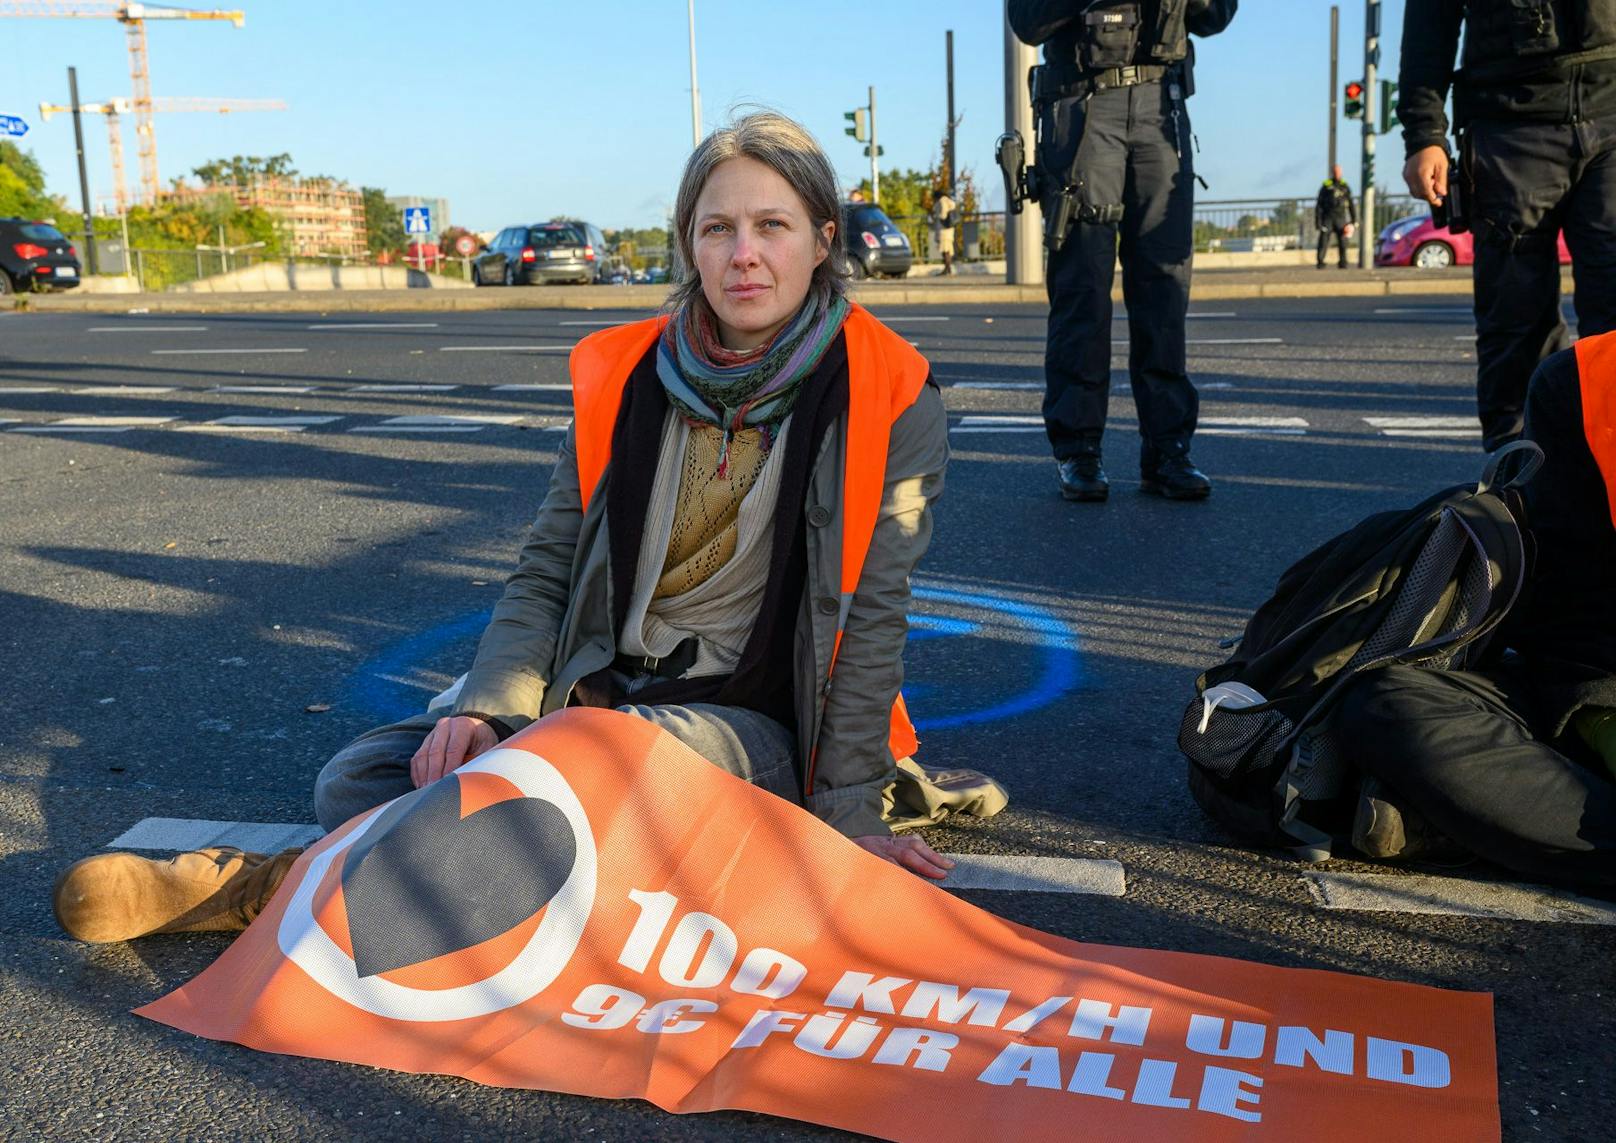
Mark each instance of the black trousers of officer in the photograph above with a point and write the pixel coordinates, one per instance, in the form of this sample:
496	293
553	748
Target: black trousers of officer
1134	152
1531	181
1470	753
1339	230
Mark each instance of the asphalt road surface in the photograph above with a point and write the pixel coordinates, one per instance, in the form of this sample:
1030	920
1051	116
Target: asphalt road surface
210	525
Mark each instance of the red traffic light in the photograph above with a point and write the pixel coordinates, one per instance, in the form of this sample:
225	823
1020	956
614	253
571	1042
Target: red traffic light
1355	90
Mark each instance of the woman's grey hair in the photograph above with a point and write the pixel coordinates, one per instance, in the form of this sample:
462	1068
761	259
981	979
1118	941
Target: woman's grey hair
786	147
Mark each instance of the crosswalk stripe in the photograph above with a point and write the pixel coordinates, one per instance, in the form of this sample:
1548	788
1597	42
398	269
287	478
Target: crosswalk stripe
504	349
9	390
146	329
532	388
1037	874
178	352
456	419
403	388
122	390
244	424
94	425
1453	896
375	325
1437	428
294	390
195	833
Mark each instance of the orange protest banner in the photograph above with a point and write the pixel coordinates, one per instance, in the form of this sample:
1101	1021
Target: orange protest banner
592	908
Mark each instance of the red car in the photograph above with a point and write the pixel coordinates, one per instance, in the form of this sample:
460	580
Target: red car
1417	242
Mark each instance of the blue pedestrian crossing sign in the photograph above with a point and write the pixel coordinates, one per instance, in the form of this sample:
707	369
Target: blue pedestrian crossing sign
11	125
417	220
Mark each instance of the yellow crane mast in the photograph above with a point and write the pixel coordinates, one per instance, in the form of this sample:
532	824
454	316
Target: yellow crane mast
133	17
114	108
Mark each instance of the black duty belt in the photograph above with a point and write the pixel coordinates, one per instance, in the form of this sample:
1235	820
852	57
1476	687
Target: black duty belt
1070	85
670	666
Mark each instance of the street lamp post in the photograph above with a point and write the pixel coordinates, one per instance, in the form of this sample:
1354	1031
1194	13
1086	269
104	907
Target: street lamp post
695	91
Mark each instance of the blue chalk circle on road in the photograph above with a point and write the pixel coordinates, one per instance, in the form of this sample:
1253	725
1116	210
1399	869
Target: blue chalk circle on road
1042	665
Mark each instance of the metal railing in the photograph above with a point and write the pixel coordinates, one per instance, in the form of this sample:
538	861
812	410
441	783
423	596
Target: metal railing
1232	225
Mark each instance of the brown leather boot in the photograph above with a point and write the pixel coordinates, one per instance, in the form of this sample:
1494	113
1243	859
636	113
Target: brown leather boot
120	896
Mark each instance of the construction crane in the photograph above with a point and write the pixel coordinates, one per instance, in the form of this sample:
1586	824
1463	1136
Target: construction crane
114	108
133	17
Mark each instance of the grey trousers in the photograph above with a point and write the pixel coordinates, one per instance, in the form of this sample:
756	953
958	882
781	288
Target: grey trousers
375	767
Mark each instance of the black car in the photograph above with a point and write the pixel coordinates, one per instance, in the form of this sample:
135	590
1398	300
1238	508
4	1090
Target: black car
35	254
540	253
875	246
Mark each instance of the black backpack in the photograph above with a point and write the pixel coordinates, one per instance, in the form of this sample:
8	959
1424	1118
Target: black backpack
1426	585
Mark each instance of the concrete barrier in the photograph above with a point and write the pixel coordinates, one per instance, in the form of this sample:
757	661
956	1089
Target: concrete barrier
269	277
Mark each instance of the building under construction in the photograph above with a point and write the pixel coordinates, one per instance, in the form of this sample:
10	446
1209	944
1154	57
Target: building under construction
318	216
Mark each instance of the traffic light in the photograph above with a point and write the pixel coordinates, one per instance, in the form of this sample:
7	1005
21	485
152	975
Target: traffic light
1388	106
1355	99
879	151
860	120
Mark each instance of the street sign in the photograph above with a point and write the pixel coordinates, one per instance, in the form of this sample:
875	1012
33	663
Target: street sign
465	245
12	125
417	220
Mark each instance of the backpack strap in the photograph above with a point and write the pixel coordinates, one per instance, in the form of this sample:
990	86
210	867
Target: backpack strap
1531	460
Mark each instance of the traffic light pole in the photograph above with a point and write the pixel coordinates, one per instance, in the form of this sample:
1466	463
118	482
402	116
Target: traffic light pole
1023	233
1366	216
875	154
1335	55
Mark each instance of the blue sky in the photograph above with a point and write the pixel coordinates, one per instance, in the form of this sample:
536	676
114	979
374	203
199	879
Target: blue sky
516	111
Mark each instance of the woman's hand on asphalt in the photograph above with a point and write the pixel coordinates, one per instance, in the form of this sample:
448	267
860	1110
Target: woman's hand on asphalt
909	852
453	742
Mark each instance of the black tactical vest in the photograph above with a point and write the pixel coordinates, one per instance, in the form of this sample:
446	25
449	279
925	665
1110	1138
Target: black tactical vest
1517	37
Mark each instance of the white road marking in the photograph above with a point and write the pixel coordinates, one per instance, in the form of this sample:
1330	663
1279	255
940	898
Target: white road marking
895	320
175	352
1006	385
8	389
1465	337
971	871
95	425
1037	874
1218	341
1424	310
1440	428
1214	314
1455	896
121	390
262	389
193	833
146	329
1258	426
246	424
597	324
375	325
504	349
440	424
999	421
402	388
558	388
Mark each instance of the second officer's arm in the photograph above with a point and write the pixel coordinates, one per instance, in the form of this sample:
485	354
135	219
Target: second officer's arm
1430	43
1034	21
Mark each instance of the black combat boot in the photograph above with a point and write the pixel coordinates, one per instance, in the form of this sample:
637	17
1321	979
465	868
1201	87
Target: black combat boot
1176	478
1081	477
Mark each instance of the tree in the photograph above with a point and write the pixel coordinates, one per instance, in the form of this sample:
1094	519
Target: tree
22	185
242	170
384	228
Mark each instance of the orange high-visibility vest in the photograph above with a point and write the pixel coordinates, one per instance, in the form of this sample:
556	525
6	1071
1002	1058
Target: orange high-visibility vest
1596	375
885	375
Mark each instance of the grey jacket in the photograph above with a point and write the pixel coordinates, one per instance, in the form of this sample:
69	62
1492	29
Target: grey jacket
552	626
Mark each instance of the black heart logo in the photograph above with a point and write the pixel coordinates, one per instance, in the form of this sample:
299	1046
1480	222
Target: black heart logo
424	882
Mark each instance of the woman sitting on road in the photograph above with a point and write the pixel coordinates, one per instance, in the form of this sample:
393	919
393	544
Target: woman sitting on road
736	510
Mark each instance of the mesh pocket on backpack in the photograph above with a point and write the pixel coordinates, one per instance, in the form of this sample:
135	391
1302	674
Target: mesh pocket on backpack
1234	741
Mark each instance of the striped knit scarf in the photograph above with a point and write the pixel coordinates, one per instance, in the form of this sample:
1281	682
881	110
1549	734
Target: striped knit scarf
711	385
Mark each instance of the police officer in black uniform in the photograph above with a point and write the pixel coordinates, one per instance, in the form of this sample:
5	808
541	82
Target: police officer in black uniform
1335	215
1114	153
1535	106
